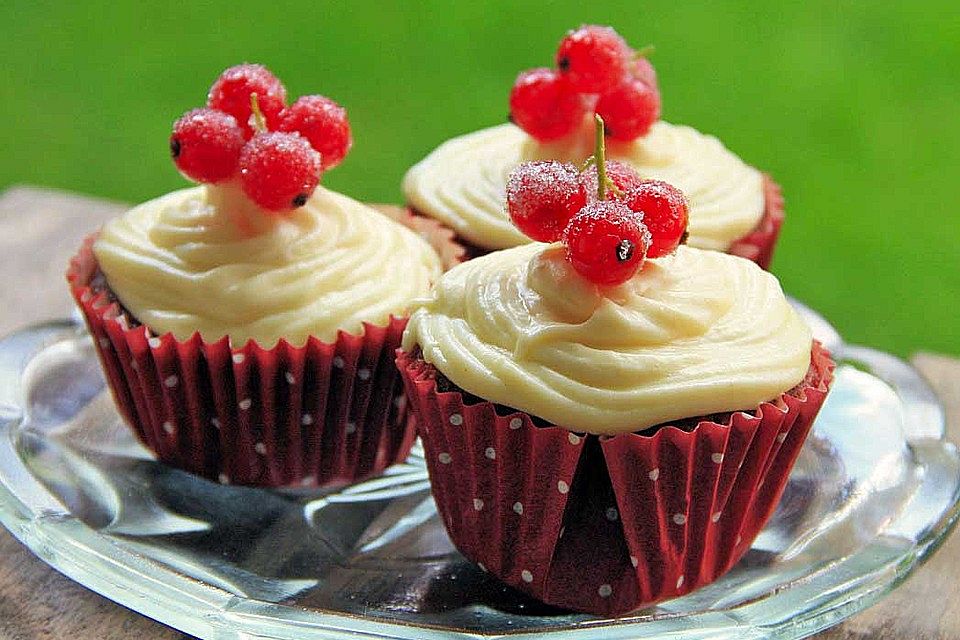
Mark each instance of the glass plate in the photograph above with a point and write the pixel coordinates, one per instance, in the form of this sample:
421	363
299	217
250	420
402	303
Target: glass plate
873	493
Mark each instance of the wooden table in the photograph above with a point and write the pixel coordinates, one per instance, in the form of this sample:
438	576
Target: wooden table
38	603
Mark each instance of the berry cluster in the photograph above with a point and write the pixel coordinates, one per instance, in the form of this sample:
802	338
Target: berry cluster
609	218
248	132
597	70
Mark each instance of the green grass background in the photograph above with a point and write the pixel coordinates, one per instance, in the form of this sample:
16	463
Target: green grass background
852	106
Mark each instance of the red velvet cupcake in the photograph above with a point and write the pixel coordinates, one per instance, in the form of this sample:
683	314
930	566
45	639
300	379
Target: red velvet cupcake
247	326
733	207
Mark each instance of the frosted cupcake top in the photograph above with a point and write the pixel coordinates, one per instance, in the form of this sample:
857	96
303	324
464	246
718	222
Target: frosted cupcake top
208	260
461	183
693	333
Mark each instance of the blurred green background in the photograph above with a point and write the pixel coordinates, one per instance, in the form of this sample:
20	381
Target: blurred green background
853	107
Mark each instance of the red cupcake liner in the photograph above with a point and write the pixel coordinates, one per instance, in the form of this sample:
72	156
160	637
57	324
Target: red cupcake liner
756	246
319	414
607	524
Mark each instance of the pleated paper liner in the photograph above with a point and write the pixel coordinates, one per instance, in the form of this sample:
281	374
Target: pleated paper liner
319	414
607	524
756	246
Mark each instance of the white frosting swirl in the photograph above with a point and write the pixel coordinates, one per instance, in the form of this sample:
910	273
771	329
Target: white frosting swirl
693	333
206	259
461	183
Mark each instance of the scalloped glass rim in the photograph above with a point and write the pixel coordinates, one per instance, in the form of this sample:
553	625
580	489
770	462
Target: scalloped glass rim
801	604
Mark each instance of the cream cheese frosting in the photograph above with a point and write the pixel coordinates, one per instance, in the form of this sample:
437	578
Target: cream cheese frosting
206	259
461	183
693	333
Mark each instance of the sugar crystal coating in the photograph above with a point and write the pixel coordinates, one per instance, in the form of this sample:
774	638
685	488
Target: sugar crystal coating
279	171
323	123
231	94
543	196
545	105
205	145
665	214
594	58
606	242
629	110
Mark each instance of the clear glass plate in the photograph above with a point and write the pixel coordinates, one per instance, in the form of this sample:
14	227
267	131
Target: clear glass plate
874	491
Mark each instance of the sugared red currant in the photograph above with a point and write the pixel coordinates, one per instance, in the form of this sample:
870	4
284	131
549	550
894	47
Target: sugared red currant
664	210
205	145
543	104
595	59
279	170
643	70
623	176
231	94
323	123
629	110
543	196
606	242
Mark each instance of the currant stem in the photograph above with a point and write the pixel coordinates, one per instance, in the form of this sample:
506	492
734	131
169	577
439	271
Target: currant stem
260	123
599	154
645	52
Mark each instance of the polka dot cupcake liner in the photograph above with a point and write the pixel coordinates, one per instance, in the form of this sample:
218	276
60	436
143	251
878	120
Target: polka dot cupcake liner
606	525
756	246
316	415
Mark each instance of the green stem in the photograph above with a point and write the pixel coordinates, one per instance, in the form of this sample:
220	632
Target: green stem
645	52
599	153
260	123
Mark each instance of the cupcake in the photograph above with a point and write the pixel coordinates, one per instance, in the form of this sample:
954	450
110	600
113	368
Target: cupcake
605	430
733	207
247	326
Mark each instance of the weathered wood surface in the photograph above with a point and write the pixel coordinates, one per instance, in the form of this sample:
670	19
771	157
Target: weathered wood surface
37	603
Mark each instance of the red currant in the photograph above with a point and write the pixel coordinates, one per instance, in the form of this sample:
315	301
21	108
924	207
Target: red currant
664	210
623	176
629	110
323	123
643	70
606	242
279	171
205	145
543	196
231	93
595	59
543	104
